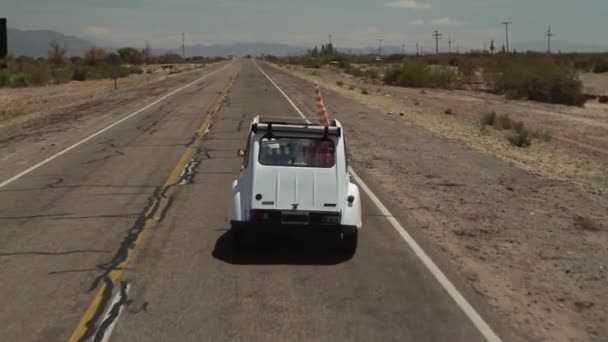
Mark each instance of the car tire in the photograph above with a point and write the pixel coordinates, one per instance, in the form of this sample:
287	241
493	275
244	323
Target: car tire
350	241
237	240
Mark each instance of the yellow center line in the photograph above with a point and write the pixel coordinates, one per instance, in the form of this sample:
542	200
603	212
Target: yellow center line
174	176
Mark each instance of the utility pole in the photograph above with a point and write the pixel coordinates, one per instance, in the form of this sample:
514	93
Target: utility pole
330	39
417	49
403	49
147	52
380	46
183	45
549	36
437	36
507	23
450	44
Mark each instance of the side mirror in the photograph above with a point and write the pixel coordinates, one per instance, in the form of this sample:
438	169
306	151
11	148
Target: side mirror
240	152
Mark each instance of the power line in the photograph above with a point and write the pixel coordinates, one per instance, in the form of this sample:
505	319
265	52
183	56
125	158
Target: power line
507	23
437	36
549	36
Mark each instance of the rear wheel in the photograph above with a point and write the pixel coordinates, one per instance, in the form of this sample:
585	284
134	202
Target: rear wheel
350	241
237	240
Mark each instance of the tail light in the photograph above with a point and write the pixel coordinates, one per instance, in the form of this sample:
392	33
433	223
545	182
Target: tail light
258	215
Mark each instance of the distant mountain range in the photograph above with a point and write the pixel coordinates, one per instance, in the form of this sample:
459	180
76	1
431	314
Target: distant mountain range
35	43
242	49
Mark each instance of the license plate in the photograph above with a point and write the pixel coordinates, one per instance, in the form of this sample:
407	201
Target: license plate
295	217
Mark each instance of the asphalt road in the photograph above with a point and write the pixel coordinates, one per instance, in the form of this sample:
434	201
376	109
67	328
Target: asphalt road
107	231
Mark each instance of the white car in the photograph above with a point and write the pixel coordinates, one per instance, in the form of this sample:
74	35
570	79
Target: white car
295	177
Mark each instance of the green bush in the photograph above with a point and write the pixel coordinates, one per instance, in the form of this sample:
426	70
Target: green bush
500	122
521	138
314	63
411	74
5	78
20	81
339	83
9	79
489	119
601	66
364	92
416	74
79	74
391	77
443	79
536	79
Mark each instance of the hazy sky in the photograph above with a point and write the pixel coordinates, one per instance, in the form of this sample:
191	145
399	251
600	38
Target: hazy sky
353	23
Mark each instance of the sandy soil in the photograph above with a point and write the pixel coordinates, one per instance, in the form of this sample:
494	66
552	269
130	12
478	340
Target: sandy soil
526	228
596	84
578	151
22	103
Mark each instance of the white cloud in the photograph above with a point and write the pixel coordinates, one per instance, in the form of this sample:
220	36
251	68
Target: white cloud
416	23
446	21
410	4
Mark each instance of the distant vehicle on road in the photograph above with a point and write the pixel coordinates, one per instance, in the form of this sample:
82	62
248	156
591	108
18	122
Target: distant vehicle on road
295	177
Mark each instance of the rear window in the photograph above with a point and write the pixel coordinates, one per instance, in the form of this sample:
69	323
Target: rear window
299	152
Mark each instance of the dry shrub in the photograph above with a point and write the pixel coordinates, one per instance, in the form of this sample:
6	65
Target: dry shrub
416	74
536	78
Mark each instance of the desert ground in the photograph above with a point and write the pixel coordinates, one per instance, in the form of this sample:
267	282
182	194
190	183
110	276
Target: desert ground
526	226
521	232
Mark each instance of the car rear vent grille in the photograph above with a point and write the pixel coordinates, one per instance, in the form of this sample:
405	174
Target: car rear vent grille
330	205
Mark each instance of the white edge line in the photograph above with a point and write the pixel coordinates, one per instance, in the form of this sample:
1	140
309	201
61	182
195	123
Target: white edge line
55	156
110	328
449	287
282	92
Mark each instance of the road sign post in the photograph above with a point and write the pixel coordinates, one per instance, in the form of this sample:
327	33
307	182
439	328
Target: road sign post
115	59
3	42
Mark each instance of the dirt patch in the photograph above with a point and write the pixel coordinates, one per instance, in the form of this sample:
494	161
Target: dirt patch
525	229
596	84
577	153
19	102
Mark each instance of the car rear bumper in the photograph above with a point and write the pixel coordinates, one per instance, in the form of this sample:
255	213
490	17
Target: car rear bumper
276	227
